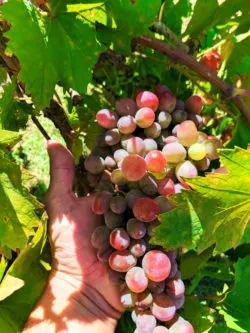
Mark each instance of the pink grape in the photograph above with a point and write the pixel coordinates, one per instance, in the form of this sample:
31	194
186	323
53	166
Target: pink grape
100	236
94	164
150	144
156	265
104	253
185	169
126	107
174	130
144	117
196	118
153	131
164	119
133	167
118	204
145	322
136	229
160	329
117	177
124	140
166	186
126	124
181	326
120	154
171	139
100	203
211	146
106	118
175	287
148	185
156	161
164	203
174	152
174	269
119	239
220	170
109	163
128	298
179	302
167	101
202	137
122	261
194	104
144	300
136	146
136	280
178	188
147	99
133	195
112	137
187	133
160	89
137	247
156	287
163	307
146	209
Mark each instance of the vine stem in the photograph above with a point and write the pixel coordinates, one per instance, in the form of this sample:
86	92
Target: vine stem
40	127
176	55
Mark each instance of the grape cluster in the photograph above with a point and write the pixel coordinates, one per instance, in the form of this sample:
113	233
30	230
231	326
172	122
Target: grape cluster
146	149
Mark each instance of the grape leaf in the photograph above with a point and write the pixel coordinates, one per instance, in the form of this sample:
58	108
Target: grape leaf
8	138
216	212
241	134
175	13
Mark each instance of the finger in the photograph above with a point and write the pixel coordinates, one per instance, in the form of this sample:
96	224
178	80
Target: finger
62	168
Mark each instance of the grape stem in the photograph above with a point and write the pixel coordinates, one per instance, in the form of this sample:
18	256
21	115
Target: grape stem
177	55
40	127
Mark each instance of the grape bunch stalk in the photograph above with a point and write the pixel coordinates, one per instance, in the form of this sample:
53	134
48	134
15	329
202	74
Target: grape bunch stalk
147	148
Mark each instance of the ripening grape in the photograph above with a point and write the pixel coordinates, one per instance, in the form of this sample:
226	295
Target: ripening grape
109	163
211	147
119	239
93	180
136	280
160	175
156	287
137	247
181	326
118	204
106	118
203	164
126	124
144	117
150	144
164	204
167	101
187	133
145	322
180	105
151	226
178	116
136	229
100	141
196	118
156	265
101	151
147	99
166	187
122	261
133	167
197	151
202	137
174	130
221	170
163	307
112	137
136	145
153	131
160	89
185	169
144	300
126	107
104	253
124	140
174	269
146	209
128	298
178	188
160	329
175	287
148	185
100	236
120	154
117	177
100	203
164	119
179	302
194	104
174	152
133	195
156	161
113	220
94	164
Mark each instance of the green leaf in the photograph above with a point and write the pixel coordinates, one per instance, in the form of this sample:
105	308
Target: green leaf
3	265
8	138
216	212
237	303
175	13
241	134
15	309
9	285
125	324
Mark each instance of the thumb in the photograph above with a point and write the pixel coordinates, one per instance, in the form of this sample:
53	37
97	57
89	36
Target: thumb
62	168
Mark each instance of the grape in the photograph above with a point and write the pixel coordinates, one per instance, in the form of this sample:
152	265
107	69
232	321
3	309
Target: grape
166	186
104	253
187	133
150	144
179	302
137	247
136	146
147	99
181	326
194	104
117	278
164	204
202	137
175	287
153	131
126	107
174	130
100	141
92	179
185	169
146	209
100	203
163	307
122	261
136	280
179	116
151	226
148	185
144	117
196	118
112	137
133	167
106	118
126	124
145	322
124	140
167	101
160	329
161	140
128	298
118	204
132	196
211	147
120	154
155	160
119	239
160	89
178	188
197	151
117	177
160	175
136	229
212	60
203	164
94	164
113	220
156	287
156	265
100	236
164	119
104	185
180	105
101	151
144	300
220	170
174	269
109	163
174	152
